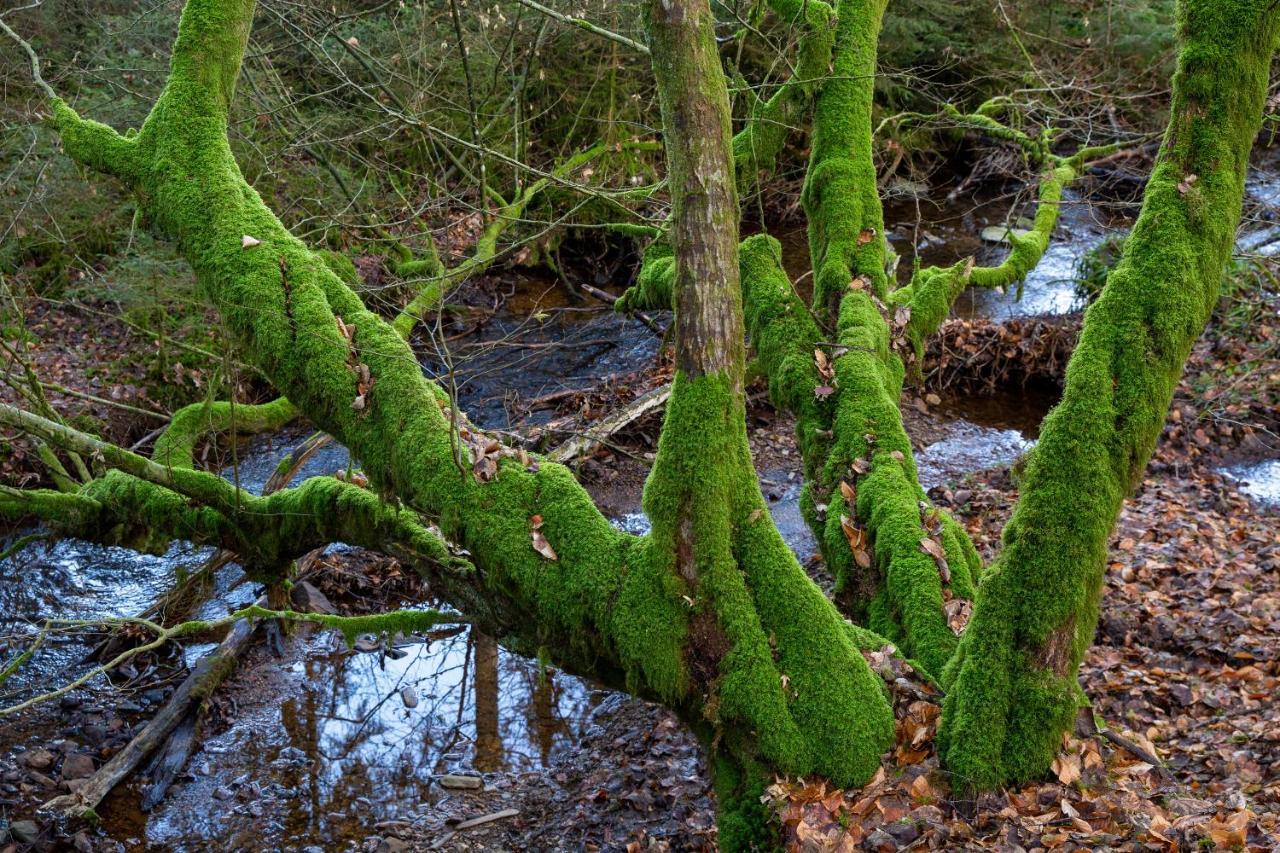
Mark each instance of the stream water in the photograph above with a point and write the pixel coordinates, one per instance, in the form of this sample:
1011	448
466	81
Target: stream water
333	741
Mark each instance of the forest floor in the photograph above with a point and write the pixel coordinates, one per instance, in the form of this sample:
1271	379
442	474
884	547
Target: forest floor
1182	676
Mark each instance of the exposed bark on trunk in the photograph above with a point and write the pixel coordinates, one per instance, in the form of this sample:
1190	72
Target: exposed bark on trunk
767	651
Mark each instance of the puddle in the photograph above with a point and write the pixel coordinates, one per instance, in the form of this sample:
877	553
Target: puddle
983	431
1258	480
968	447
343	750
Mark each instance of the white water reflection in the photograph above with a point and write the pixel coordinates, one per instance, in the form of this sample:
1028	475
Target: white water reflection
1259	480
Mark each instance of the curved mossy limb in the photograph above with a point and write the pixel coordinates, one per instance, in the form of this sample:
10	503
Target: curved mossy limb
840	196
756	147
601	604
858	424
608	604
176	446
1013	687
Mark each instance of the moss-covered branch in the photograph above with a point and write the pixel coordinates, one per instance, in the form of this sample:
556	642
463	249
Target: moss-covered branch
592	597
1013	687
756	147
175	448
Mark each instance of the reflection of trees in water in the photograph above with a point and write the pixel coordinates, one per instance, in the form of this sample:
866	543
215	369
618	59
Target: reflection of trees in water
363	743
488	741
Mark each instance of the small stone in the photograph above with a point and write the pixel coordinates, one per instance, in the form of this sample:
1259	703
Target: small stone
41	779
38	759
460	782
24	831
880	841
409	696
391	844
307	599
77	765
903	831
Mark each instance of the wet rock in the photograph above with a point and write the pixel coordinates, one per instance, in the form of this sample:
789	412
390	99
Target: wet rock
880	841
41	779
82	842
409	697
77	765
24	831
458	781
38	759
904	832
367	643
307	599
391	844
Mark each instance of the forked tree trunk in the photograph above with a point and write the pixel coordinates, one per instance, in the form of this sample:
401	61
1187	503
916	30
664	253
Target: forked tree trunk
711	613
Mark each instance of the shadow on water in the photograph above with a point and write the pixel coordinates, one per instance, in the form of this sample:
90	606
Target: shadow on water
325	748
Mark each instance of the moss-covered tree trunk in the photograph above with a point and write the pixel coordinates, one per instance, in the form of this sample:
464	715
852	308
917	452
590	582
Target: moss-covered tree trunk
783	686
1013	687
711	613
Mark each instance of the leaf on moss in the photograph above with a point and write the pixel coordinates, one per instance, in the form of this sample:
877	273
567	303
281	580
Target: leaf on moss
540	543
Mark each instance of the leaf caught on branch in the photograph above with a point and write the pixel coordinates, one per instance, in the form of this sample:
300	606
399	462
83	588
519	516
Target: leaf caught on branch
934	549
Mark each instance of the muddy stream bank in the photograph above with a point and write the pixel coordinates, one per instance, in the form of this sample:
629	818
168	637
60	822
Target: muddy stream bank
326	747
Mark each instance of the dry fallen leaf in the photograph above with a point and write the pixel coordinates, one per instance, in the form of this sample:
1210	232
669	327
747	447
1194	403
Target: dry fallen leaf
866	236
247	242
540	543
934	549
958	611
1067	767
